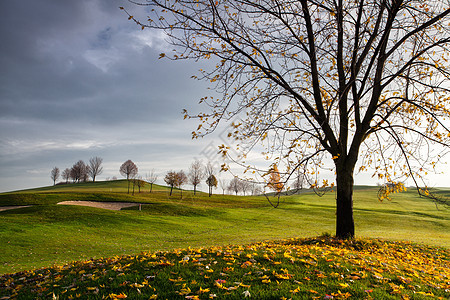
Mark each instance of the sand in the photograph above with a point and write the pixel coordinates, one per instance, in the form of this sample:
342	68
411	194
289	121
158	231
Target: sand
104	205
2	208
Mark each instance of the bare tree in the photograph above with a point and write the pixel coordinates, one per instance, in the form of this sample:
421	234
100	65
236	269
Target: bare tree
230	189
66	174
235	185
337	80
181	179
129	170
210	178
95	167
78	172
137	182
196	174
171	180
140	183
134	180
74	175
299	180
245	186
54	174
223	185
151	178
85	174
256	189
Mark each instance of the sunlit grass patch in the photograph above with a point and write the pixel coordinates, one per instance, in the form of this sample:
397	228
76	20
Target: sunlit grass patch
314	268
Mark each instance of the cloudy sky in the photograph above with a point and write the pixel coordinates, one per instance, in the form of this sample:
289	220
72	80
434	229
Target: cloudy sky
77	80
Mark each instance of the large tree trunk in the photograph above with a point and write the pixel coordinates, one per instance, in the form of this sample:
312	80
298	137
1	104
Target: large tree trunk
345	226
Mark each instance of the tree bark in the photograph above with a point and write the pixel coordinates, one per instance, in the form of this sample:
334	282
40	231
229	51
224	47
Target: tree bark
345	226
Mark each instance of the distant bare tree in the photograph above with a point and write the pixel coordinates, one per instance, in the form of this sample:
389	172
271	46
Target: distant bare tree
140	183
196	174
171	180
54	174
129	170
299	180
211	180
74	174
85	174
230	189
78	172
95	167
235	185
151	178
134	183
66	175
137	182
181	179
223	185
245	186
256	189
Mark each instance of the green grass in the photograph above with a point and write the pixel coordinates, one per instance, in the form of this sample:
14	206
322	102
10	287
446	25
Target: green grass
47	234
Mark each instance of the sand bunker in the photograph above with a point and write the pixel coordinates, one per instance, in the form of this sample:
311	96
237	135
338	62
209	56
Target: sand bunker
2	208
104	205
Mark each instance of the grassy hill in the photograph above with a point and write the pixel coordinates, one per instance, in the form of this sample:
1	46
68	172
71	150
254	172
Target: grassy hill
46	233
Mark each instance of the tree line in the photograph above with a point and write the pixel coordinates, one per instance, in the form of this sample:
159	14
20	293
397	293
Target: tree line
80	171
83	172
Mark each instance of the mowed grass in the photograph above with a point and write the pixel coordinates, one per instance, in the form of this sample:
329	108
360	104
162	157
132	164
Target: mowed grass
46	234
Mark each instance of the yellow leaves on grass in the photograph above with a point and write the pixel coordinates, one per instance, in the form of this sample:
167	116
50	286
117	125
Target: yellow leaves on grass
321	268
184	290
117	296
201	291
